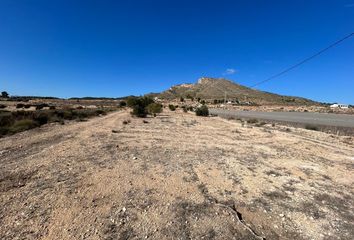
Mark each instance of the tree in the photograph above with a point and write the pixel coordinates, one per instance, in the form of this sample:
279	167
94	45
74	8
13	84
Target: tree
154	108
4	94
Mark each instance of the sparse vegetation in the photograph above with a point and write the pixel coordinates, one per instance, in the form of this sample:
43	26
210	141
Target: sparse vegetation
22	125
202	111
17	121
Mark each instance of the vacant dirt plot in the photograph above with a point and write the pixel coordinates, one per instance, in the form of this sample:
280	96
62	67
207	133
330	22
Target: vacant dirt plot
176	176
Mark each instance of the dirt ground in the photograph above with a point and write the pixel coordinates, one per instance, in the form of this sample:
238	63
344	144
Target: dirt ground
177	176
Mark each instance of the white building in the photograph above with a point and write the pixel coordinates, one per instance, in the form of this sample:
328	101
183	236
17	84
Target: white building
338	105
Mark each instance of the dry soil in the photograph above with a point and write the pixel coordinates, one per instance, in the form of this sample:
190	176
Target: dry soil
177	176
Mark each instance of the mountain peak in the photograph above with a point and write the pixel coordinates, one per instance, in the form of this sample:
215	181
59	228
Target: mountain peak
208	80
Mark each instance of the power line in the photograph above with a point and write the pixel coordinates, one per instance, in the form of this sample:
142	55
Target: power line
304	61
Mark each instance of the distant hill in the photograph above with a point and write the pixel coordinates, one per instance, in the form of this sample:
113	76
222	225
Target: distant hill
215	88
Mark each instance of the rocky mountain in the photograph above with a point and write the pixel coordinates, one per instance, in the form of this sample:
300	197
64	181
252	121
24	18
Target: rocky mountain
216	88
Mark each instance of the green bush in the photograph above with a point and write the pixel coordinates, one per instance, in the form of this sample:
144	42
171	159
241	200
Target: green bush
100	112
141	101
139	105
252	121
139	111
132	101
81	115
154	108
66	114
171	107
20	105
202	111
6	119
122	103
42	118
41	106
312	127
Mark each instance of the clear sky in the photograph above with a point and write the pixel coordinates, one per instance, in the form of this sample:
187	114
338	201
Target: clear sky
69	48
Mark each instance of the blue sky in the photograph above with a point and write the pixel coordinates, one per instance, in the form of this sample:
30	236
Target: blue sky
114	48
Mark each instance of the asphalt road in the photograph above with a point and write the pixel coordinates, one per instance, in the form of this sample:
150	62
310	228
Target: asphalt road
326	119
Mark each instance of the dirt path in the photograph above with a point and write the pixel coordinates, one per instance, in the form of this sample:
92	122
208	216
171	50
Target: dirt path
176	177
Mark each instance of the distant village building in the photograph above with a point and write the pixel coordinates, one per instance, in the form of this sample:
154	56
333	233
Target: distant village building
338	105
